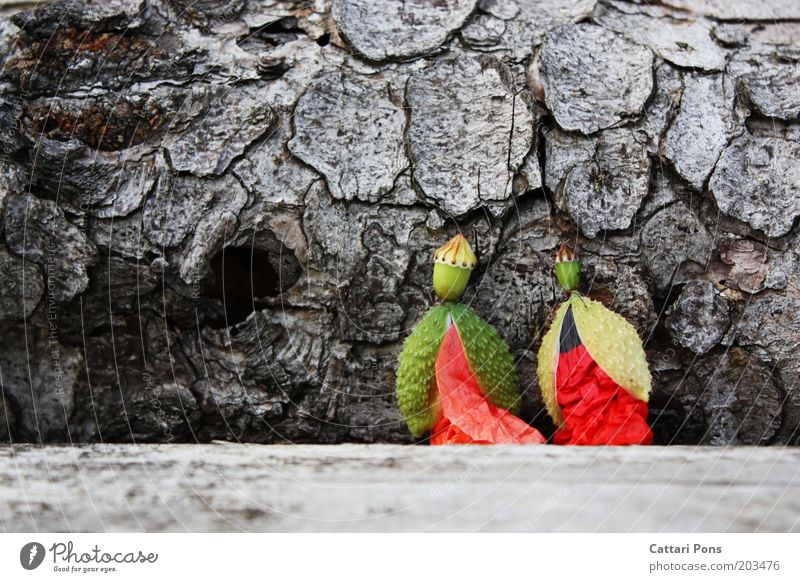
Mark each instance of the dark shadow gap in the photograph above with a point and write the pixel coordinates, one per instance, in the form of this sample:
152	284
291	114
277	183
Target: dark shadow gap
239	277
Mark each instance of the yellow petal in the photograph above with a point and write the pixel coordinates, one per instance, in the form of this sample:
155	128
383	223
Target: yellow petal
548	361
613	343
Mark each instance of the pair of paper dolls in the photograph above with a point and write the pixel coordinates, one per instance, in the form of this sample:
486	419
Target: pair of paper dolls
457	379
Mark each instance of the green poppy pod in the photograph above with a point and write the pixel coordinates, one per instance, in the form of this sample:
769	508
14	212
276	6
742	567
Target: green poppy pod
453	265
568	269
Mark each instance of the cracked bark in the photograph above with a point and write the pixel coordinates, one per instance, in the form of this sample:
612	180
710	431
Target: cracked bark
217	217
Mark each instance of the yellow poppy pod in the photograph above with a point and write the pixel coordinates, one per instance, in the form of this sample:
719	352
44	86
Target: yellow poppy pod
453	266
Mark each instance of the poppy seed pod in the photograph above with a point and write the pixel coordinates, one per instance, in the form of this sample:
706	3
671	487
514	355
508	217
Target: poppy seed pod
453	265
568	269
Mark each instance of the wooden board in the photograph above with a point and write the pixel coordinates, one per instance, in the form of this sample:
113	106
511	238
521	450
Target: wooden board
397	488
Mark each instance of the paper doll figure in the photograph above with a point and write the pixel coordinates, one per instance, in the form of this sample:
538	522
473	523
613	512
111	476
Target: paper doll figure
457	378
592	370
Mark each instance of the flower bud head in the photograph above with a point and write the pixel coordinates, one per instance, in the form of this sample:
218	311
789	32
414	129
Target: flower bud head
453	264
568	268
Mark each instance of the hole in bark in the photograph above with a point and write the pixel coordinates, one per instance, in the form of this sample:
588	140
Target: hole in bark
662	304
273	35
240	276
324	39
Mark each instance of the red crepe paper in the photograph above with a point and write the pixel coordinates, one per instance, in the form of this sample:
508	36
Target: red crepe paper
467	416
596	410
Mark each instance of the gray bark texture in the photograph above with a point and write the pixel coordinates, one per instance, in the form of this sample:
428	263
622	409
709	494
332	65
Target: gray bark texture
217	218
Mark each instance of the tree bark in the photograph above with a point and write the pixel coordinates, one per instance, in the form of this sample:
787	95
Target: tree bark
218	217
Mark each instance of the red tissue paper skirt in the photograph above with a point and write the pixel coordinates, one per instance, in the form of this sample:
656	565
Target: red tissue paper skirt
467	416
596	410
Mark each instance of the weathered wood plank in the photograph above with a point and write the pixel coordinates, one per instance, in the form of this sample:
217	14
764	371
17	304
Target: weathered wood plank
397	488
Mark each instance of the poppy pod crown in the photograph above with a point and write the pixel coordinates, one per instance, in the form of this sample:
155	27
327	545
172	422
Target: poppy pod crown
568	269
453	264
